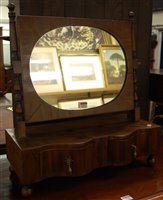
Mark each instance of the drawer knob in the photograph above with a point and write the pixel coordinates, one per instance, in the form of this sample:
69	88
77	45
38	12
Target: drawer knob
134	150
69	162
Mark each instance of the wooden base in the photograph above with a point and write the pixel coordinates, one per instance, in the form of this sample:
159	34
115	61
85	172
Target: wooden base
77	153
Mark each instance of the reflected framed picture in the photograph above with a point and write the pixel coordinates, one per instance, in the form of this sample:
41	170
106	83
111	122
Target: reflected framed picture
114	63
80	104
82	72
45	70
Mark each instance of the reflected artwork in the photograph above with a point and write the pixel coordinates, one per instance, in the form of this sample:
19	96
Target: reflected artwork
72	63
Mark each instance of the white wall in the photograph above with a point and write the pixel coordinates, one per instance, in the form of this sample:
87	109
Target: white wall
4	23
157	28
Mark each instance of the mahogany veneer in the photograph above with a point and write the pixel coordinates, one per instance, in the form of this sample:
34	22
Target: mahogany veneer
76	153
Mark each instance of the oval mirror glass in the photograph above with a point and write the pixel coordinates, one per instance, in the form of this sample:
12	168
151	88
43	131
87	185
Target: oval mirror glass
77	67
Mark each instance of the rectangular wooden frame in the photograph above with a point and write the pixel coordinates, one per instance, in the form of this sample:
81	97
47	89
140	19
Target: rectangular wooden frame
82	72
48	78
112	57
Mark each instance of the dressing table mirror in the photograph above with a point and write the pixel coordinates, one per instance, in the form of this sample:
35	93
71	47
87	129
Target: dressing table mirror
74	98
77	67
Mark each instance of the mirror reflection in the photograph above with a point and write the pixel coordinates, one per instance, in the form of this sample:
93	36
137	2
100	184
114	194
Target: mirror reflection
77	67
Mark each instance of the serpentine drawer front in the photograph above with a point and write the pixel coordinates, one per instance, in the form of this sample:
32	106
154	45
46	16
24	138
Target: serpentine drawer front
36	161
67	162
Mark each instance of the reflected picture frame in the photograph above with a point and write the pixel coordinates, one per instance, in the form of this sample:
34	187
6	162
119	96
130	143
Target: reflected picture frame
80	104
114	63
82	72
45	70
